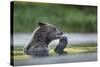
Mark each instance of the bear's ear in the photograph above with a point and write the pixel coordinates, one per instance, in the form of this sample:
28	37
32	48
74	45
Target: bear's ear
41	24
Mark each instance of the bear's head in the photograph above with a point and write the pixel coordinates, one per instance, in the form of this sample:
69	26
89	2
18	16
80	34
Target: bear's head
47	32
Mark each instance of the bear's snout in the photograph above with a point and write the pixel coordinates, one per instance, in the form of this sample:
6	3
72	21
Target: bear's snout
60	33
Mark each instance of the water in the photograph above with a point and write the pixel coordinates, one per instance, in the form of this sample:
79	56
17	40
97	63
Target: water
20	39
73	38
85	57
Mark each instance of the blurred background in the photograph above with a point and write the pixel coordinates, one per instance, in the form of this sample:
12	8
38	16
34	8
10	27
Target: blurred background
68	18
78	22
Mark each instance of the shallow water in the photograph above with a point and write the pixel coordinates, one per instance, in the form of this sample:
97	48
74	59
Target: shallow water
84	57
73	38
20	39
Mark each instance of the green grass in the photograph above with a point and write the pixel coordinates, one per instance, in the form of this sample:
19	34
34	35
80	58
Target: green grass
74	49
67	18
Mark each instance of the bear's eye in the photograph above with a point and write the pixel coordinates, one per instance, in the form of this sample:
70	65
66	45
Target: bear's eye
54	29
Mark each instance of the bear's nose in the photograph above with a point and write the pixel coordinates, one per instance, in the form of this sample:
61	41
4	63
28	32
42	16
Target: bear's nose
61	33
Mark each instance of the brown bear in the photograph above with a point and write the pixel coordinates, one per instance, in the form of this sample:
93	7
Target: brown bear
41	37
